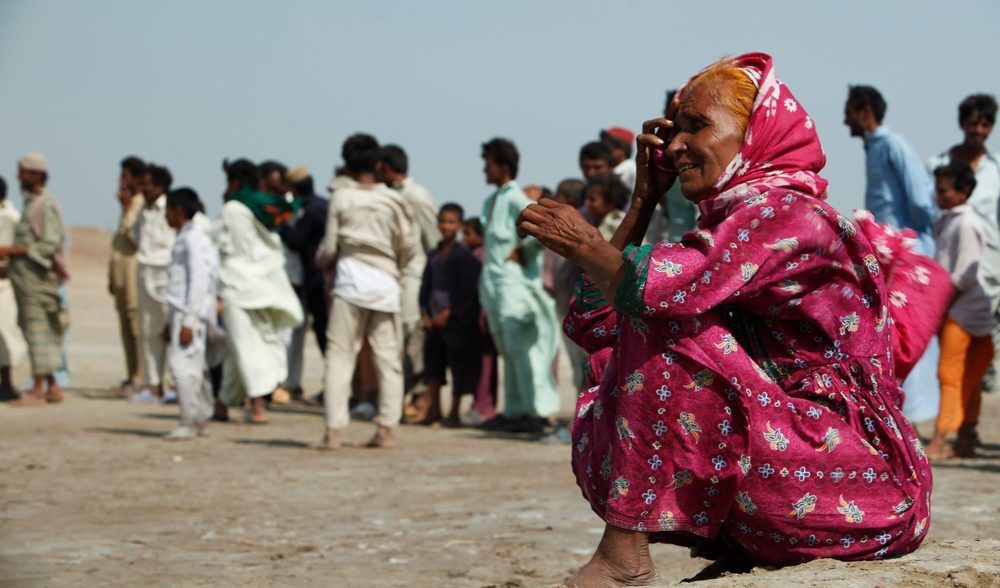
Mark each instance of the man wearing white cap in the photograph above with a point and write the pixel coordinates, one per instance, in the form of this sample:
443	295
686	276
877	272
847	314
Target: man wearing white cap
36	269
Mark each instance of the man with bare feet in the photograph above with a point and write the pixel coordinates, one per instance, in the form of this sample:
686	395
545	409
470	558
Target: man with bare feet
122	269
369	240
36	268
155	240
449	306
13	349
257	299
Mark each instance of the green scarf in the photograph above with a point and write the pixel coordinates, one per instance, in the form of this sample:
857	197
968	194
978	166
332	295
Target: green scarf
272	211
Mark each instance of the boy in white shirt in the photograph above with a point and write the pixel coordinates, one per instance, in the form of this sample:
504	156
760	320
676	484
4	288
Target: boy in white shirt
191	311
966	345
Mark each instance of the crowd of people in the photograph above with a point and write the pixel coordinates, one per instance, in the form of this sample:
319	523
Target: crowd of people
682	271
398	292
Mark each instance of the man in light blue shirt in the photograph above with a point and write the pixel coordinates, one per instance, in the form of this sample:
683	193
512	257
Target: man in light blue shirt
899	190
899	193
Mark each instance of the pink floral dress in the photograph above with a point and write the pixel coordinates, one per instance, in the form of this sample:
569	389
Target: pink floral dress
748	397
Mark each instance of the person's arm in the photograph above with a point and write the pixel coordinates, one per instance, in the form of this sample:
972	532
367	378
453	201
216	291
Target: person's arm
917	185
573	238
970	247
44	247
130	215
407	240
463	294
199	285
327	253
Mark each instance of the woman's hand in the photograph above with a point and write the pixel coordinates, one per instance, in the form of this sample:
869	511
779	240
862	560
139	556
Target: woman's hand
651	181
559	227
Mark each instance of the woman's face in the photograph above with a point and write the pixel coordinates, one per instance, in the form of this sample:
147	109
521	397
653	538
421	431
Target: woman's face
707	138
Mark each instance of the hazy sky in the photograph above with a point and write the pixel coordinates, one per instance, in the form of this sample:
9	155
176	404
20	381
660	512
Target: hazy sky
186	83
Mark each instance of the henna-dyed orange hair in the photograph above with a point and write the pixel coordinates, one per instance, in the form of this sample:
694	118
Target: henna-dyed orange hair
733	89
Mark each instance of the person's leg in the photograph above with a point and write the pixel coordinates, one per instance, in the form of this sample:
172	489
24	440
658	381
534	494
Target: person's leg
464	345
427	406
386	335
296	360
343	341
5	382
124	331
977	359
186	366
951	372
319	312
151	337
622	559
44	348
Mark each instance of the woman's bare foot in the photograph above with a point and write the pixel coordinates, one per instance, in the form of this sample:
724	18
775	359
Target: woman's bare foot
622	559
382	439
329	442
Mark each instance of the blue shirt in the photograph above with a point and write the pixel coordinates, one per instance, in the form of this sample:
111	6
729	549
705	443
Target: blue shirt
899	192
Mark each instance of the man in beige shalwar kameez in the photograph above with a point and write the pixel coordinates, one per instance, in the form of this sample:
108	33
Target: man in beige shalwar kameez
122	283
36	268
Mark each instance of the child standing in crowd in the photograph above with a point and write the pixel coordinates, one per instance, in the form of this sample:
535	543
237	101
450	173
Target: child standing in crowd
966	346
191	311
449	305
484	407
605	200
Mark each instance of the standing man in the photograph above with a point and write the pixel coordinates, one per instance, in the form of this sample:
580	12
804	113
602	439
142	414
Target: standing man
392	169
12	345
257	300
36	269
304	238
122	268
155	241
976	117
272	181
521	316
370	240
898	193
620	140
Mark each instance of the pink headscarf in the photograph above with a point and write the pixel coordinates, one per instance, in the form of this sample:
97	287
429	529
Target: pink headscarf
780	149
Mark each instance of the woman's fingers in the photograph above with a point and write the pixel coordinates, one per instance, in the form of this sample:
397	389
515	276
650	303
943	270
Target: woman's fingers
650	126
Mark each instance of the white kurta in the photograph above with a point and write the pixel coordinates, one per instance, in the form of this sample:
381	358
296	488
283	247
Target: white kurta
257	301
13	348
155	241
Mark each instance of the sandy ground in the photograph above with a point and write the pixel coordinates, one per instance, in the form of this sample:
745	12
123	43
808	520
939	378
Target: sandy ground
91	496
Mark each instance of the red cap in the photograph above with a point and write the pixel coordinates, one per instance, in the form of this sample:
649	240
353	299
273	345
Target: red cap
620	133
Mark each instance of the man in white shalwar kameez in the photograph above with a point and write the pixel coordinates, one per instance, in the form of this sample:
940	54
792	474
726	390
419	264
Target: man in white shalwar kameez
155	241
191	313
13	348
257	299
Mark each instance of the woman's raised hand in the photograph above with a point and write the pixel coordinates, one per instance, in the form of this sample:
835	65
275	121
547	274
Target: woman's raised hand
559	227
651	180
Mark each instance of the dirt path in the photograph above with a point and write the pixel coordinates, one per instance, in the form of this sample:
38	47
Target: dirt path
91	496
